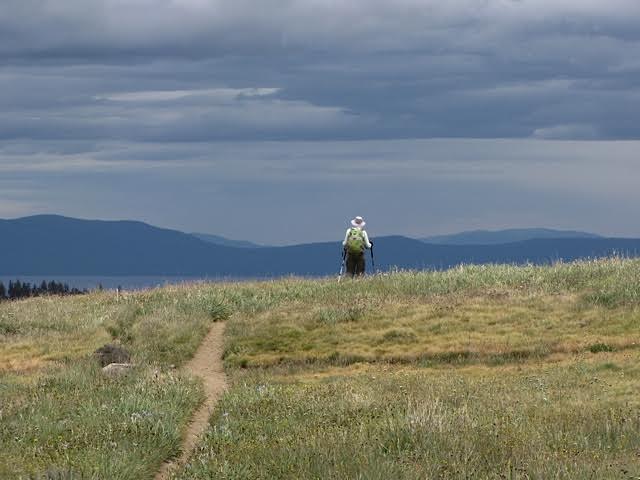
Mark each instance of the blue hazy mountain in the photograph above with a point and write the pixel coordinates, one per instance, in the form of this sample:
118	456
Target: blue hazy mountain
218	240
54	245
496	237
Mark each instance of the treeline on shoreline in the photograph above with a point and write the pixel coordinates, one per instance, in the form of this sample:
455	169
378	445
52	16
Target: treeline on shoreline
18	289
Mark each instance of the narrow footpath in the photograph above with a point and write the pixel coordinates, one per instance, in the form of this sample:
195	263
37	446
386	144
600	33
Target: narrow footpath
206	364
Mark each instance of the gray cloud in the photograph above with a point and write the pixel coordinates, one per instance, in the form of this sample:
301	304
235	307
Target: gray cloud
357	70
227	109
50	26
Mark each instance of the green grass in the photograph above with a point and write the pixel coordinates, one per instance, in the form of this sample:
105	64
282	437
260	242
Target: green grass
59	416
74	419
473	326
476	372
377	423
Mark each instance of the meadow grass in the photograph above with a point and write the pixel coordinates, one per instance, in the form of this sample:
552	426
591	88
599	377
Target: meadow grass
476	372
60	417
568	420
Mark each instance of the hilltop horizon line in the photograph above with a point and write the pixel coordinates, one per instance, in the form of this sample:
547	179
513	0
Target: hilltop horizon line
474	236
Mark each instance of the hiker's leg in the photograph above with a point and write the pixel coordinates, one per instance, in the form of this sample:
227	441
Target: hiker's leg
360	265
351	265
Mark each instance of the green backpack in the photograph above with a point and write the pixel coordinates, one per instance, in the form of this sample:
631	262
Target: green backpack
355	241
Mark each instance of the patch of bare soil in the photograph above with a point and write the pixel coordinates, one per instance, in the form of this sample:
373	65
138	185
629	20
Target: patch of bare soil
206	364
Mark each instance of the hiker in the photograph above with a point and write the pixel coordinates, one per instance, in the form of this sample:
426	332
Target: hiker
356	241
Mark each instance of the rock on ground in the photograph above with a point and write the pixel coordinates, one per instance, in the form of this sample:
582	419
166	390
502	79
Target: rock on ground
108	354
117	369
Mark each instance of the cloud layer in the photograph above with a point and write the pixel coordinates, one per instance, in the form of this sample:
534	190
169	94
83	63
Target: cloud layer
177	69
272	110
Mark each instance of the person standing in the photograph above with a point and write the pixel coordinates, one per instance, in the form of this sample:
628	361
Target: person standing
356	241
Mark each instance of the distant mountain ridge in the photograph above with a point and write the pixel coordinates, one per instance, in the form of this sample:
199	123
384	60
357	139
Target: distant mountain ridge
54	245
497	237
218	240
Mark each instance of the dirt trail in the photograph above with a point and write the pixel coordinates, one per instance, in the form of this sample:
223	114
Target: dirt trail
206	364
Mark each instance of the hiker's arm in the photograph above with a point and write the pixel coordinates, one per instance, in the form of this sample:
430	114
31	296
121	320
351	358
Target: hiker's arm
346	236
367	243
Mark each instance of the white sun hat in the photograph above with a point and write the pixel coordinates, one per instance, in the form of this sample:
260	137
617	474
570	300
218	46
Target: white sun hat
358	222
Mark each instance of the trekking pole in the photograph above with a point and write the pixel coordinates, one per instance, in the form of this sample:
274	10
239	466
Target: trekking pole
344	256
373	263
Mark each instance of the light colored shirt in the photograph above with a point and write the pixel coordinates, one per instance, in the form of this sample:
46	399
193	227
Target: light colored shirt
367	244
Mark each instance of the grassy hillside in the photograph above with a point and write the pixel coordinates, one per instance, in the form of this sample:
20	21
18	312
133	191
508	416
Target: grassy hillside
476	372
61	418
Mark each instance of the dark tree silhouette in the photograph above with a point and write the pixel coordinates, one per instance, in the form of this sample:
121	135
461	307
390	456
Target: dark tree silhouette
18	289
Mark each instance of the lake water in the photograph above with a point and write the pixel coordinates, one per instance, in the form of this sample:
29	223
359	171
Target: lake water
93	282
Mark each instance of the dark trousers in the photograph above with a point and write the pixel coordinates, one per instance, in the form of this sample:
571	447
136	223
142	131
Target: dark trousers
355	264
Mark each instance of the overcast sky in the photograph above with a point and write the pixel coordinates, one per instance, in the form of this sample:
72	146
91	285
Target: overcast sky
278	120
